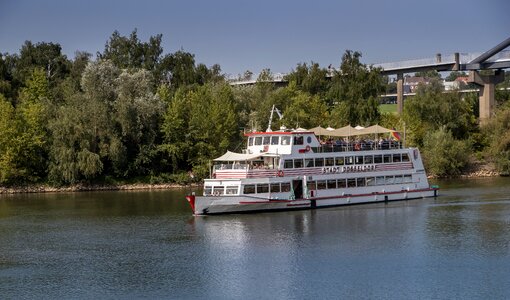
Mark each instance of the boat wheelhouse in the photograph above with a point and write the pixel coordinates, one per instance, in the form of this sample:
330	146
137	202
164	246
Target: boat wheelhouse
285	170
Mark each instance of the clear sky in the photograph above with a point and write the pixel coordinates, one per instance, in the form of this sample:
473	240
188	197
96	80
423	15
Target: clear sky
252	35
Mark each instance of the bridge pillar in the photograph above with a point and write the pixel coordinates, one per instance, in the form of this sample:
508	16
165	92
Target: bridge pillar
487	85
400	93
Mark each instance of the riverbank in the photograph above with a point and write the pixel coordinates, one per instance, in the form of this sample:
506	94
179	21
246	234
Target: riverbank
475	169
89	187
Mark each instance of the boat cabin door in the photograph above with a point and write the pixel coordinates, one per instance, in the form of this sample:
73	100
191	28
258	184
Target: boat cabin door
297	186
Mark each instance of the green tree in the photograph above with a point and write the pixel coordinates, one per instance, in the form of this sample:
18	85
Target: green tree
305	111
213	135
443	154
497	132
200	124
431	109
129	52
8	137
45	56
176	139
23	152
311	79
357	85
109	129
137	114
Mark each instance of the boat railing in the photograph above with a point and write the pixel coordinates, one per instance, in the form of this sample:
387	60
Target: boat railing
234	166
357	146
244	167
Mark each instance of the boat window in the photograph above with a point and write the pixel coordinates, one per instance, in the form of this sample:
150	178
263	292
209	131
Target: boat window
329	161
387	158
231	190
331	184
370	181
266	140
369	159
250	141
249	189
405	157
351	182
398	179
359	160
360	181
288	164
311	185
258	140
339	161
298	163
275	187
309	162
285	187
408	178
396	157
377	159
341	183
349	160
262	188
319	162
207	190
275	140
298	140
218	190
309	139
390	179
285	140
321	184
379	180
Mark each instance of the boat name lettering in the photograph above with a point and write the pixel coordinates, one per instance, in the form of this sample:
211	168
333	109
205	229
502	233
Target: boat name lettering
347	169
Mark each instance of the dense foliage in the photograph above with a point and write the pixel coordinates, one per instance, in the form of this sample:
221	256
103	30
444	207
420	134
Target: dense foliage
135	112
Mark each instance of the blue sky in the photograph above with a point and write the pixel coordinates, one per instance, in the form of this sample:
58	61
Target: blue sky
252	35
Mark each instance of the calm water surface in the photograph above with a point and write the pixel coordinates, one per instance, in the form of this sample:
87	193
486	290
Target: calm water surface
147	245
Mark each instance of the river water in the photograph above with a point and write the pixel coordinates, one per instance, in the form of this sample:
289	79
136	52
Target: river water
146	244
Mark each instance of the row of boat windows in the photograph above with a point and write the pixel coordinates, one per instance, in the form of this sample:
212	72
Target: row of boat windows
358	182
328	184
279	187
277	140
345	160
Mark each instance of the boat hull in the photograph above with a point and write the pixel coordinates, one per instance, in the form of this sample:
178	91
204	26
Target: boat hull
203	205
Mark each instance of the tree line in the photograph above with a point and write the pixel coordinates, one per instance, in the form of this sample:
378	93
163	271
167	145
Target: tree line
137	113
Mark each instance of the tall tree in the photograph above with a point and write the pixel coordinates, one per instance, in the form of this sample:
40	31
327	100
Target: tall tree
431	109
129	52
23	152
311	79
356	84
306	111
46	56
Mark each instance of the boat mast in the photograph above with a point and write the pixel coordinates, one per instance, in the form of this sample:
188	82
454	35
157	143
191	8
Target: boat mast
273	109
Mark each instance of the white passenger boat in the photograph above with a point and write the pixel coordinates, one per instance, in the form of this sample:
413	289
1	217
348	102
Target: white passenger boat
284	170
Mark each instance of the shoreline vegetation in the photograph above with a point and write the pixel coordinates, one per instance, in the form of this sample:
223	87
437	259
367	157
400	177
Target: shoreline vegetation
135	117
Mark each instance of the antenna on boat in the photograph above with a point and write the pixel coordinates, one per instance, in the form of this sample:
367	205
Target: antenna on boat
273	109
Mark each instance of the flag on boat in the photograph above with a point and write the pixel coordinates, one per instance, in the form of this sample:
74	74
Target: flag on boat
395	134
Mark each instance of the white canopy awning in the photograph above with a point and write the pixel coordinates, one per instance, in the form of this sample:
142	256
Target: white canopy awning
232	156
351	131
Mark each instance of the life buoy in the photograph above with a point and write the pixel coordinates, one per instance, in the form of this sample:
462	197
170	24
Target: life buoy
307	148
280	173
357	146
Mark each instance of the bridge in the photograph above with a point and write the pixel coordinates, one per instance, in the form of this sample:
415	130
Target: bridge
495	60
